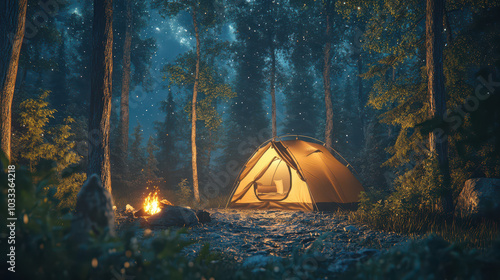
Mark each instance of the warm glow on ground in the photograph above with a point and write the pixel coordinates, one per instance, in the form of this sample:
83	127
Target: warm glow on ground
152	203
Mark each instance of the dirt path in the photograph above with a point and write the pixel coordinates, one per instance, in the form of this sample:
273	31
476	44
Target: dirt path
243	235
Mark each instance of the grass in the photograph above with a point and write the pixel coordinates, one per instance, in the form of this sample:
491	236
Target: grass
464	232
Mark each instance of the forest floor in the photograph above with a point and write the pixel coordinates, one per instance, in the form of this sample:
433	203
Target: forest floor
256	237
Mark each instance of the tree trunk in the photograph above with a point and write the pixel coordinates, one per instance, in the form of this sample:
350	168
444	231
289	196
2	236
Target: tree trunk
12	23
100	95
273	91
438	144
361	97
193	118
326	79
124	102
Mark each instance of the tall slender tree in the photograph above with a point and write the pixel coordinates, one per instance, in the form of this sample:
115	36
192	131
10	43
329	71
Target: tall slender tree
100	95
327	58
438	143
194	161
204	14
12	25
124	101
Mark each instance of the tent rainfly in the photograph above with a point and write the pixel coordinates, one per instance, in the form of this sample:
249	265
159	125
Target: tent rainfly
295	175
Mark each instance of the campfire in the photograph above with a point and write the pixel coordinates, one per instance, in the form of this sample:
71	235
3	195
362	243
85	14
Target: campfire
152	203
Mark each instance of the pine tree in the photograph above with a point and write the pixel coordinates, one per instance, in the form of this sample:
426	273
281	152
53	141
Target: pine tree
137	160
168	133
152	170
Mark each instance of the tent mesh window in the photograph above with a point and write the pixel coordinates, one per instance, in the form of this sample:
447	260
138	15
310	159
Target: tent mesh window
275	183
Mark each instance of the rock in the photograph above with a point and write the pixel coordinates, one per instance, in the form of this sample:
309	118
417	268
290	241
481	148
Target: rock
203	216
351	229
479	198
174	216
93	211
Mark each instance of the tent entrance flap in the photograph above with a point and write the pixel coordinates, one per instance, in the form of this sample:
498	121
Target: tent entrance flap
275	182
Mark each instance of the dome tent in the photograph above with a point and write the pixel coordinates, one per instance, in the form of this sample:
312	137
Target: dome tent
294	175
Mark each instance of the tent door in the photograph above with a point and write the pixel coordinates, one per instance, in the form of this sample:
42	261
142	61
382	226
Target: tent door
275	183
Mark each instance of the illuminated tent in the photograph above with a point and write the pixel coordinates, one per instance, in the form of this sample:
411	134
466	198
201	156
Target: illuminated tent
294	175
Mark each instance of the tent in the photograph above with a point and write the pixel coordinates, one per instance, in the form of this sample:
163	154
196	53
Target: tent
294	175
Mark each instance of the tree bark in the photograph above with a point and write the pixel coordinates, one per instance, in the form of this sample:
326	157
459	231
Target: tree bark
326	79
194	161
12	24
100	95
438	144
124	102
273	90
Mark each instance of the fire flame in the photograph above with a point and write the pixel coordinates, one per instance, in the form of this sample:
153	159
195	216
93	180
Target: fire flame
152	203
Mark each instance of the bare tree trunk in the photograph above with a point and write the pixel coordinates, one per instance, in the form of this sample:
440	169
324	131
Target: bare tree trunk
360	94
438	144
326	79
100	95
273	91
194	161
12	23
124	102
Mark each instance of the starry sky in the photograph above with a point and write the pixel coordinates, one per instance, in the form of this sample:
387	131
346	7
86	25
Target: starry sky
173	37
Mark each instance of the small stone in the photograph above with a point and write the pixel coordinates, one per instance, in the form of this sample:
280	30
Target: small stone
351	229
203	216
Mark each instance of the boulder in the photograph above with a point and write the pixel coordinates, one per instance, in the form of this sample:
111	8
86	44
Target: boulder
480	198
174	216
203	216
